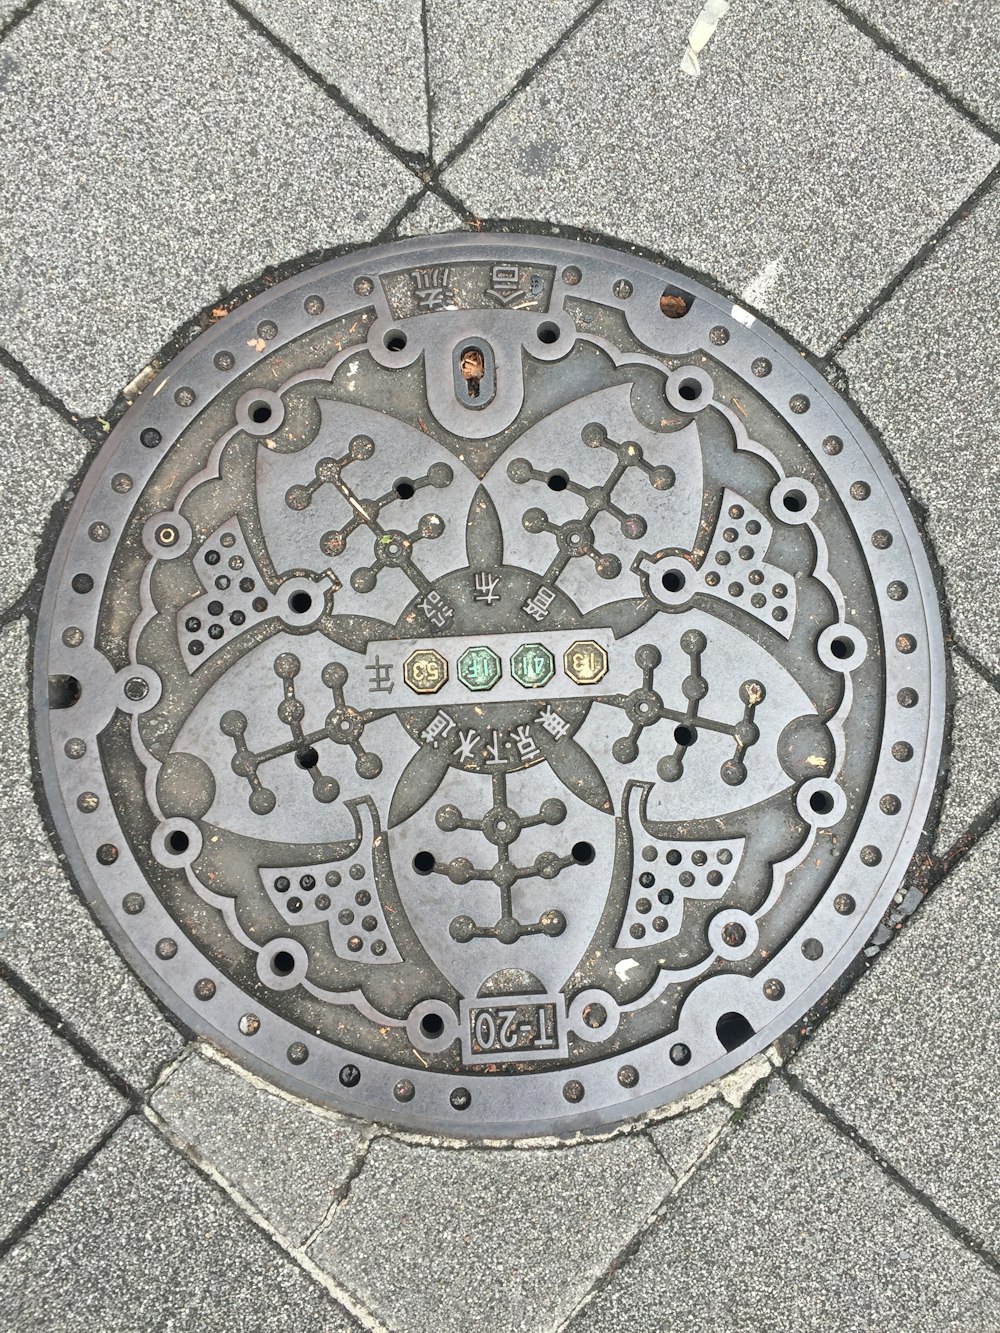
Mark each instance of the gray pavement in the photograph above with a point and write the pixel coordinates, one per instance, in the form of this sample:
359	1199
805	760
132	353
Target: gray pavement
836	167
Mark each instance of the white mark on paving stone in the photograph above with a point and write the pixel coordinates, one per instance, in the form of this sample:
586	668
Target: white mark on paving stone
759	286
701	34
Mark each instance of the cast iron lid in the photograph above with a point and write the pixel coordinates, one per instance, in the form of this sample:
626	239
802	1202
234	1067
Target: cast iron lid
489	684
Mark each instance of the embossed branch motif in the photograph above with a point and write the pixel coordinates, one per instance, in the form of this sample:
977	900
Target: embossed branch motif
393	548
644	707
575	537
502	825
344	725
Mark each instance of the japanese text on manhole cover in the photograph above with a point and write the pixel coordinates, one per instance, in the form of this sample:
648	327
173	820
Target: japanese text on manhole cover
490	684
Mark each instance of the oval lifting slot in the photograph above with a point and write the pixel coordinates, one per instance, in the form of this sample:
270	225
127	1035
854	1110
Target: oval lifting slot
475	373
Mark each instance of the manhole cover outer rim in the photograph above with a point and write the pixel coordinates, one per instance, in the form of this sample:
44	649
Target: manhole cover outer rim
802	374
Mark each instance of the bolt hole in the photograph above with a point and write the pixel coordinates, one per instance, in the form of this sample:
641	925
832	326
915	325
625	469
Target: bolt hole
734	1030
548	333
583	853
82	583
673	580
674	303
300	602
821	802
307	757
558	481
794	501
432	1026
405	489
395	340
734	935
423	863
842	648
261	412
64	691
282	964
685	735
689	390
178	842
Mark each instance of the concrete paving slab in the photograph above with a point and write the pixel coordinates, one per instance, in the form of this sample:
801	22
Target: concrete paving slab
46	933
803	168
924	370
290	1161
152	155
430	216
956	42
685	1139
477	53
910	1058
140	1241
41	458
790	1227
506	1239
371	50
53	1109
973	780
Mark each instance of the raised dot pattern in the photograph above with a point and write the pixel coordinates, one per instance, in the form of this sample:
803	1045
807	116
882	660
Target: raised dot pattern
736	568
235	597
661	884
343	895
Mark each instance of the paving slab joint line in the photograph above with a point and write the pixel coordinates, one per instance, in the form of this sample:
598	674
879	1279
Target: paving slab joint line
635	1241
631	1247
456	204
885	43
75	1169
915	262
343	1190
167	1070
706	1151
962	1234
14	611
93	429
478	126
226	300
410	207
62	1028
274	1237
991	677
428	96
618	1260
963	845
418	163
18	16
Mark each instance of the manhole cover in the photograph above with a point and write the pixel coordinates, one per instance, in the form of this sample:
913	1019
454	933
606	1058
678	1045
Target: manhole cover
490	684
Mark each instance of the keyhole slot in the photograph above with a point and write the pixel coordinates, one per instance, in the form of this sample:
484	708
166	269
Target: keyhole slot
472	365
475	374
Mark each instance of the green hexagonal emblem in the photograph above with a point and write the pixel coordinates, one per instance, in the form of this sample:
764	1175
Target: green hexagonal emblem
532	665
479	668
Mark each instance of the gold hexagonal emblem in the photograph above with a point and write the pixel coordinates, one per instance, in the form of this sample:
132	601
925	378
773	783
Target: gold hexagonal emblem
585	662
425	671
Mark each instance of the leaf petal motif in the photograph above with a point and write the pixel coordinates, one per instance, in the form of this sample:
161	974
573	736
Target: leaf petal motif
417	783
575	769
483	533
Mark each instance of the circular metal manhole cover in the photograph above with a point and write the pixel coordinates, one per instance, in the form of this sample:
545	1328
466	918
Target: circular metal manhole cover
490	684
